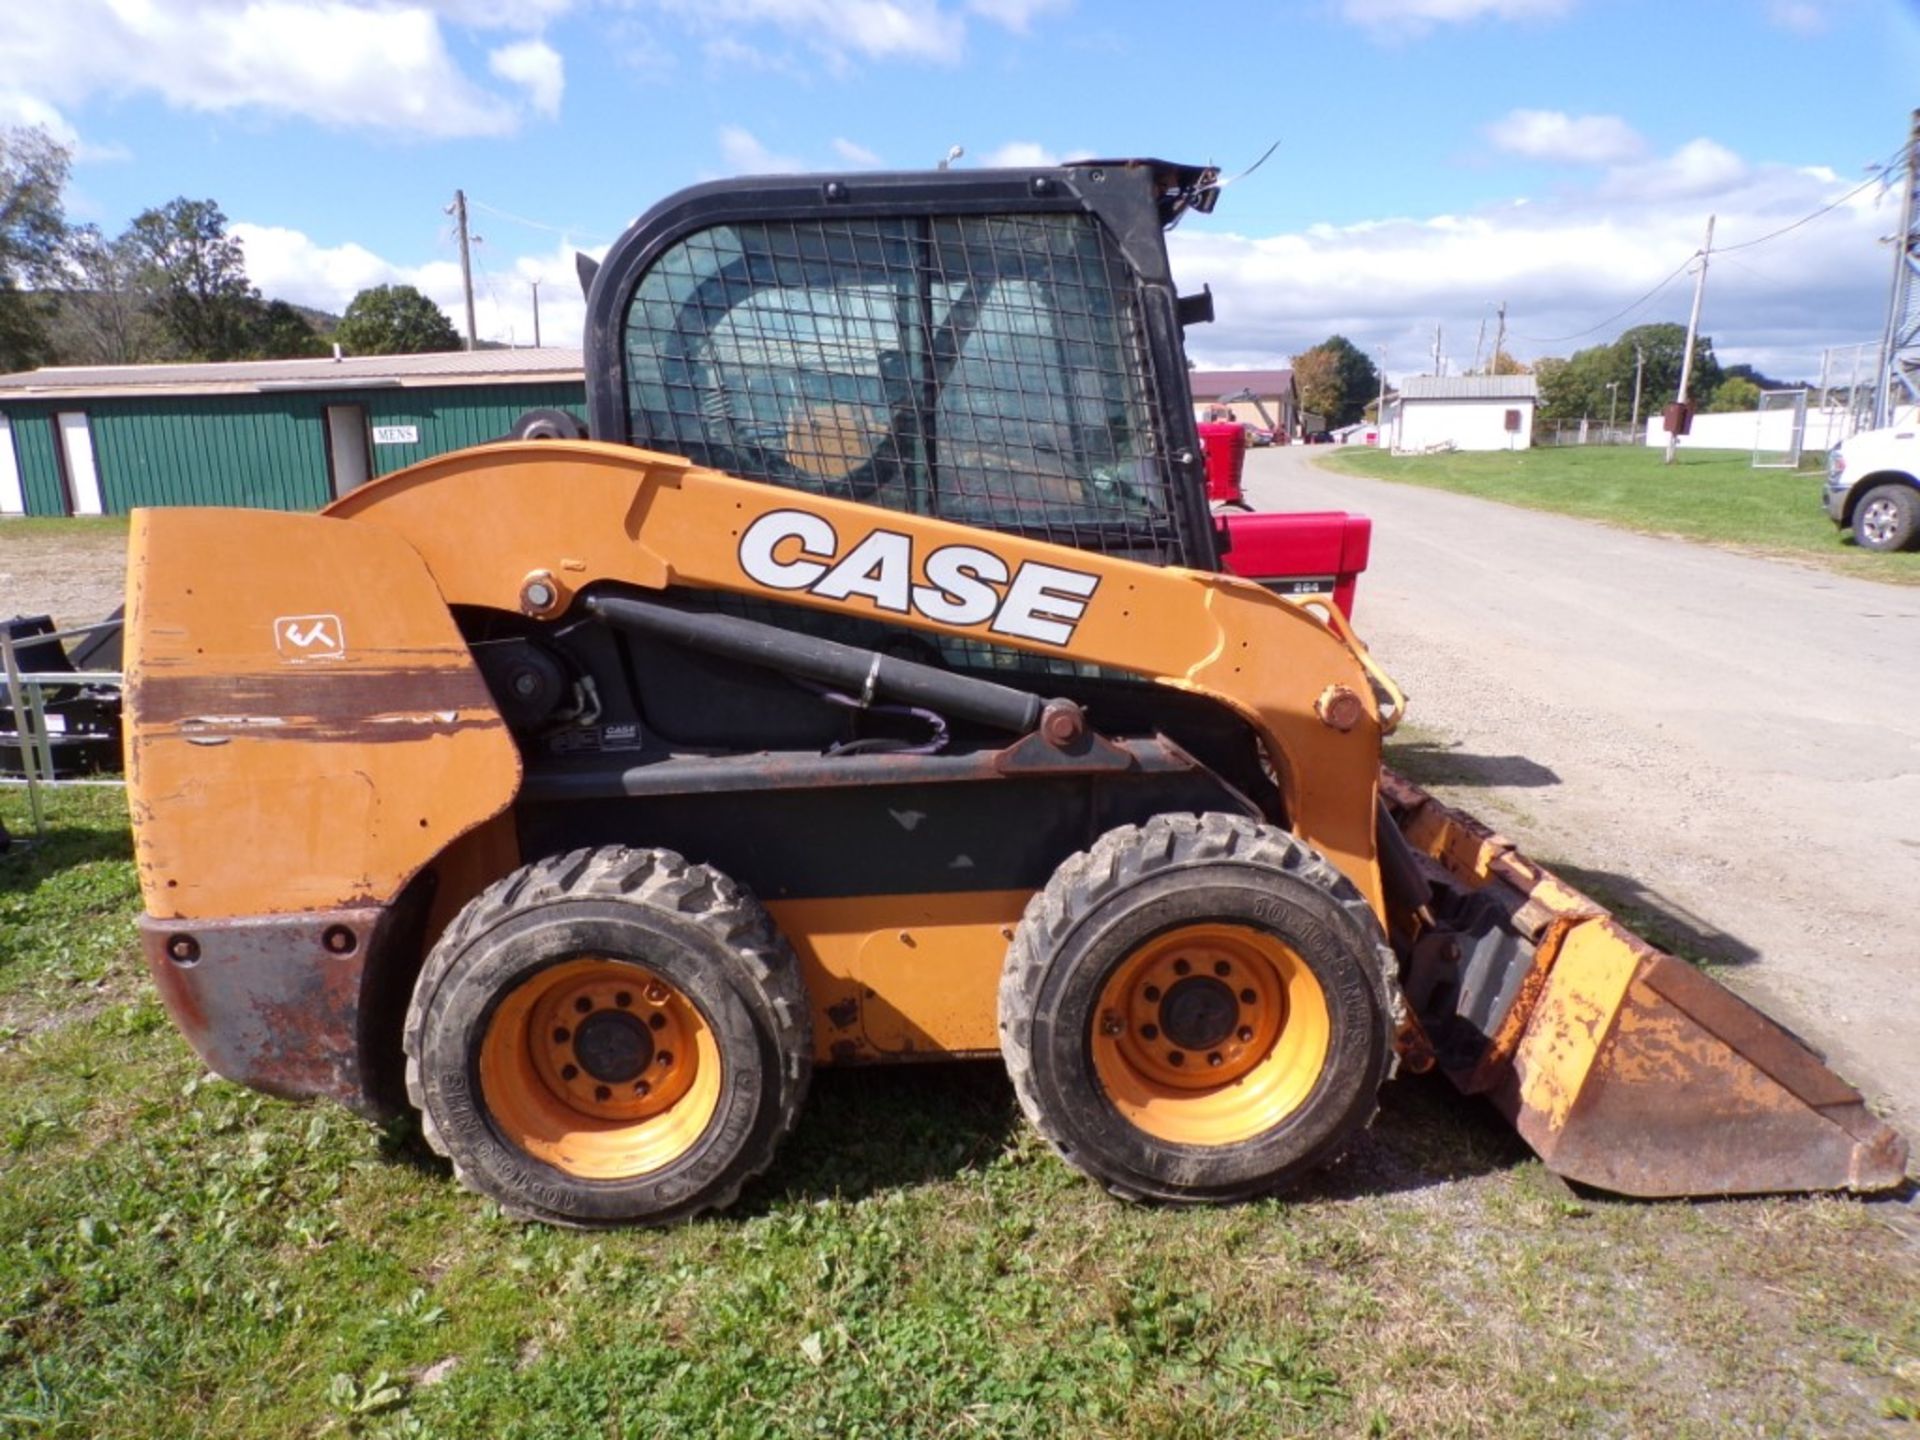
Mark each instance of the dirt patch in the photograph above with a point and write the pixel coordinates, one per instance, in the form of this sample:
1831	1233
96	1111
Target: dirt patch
77	576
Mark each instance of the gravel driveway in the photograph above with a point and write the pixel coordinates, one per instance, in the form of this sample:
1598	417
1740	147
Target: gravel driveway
77	576
1730	742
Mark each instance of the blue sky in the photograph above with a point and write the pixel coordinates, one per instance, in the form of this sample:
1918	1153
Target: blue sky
1436	156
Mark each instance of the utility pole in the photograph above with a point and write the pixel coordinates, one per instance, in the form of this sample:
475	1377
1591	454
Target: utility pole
1380	405
459	212
1478	341
1900	342
1500	337
1639	370
1613	403
1436	349
1693	330
536	314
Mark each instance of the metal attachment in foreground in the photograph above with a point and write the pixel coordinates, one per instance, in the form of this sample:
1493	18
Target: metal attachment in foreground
26	705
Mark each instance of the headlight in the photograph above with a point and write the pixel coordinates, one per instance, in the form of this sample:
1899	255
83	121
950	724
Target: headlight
1836	464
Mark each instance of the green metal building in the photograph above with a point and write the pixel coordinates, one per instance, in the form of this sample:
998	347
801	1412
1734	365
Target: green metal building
276	434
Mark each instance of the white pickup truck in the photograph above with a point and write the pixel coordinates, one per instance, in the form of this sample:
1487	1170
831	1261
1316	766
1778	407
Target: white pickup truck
1873	486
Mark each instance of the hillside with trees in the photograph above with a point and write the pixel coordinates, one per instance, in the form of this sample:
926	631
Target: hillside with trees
172	286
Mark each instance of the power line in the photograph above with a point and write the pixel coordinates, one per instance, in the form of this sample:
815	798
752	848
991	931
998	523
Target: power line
561	231
1868	183
1678	271
1883	176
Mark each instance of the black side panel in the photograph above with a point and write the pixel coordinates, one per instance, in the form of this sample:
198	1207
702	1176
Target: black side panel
892	840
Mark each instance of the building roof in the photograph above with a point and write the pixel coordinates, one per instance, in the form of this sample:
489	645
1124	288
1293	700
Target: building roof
1469	387
1212	384
249	377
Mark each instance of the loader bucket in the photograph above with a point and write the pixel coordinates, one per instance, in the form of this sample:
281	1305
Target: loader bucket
1624	1068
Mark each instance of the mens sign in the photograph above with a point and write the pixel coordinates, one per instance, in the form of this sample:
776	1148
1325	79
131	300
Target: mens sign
960	585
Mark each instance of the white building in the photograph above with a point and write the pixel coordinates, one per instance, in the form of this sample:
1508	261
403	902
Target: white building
1462	412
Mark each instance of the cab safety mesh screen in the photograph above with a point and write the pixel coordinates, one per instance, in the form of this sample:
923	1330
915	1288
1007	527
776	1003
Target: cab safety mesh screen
990	370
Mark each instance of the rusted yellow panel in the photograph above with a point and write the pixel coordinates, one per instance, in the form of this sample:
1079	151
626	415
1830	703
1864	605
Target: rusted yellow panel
894	976
306	727
1576	1010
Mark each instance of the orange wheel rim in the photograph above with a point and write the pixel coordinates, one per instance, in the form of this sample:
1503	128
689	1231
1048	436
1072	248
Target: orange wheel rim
1210	1034
601	1068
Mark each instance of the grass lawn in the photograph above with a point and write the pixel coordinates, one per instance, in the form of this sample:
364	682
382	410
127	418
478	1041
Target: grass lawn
1711	495
40	527
179	1256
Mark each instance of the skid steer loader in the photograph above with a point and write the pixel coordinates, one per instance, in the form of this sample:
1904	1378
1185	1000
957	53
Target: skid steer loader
868	689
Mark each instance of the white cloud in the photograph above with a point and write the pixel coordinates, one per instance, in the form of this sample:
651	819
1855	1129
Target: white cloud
1019	155
27	111
1798	16
1027	154
1016	15
1699	168
1386	17
854	154
535	67
289	265
360	64
765	34
1563	262
531	15
743	153
835	29
1577	139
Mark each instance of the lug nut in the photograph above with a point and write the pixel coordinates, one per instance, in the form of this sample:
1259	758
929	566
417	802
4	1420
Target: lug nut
1246	1034
666	1059
656	994
1111	1024
1213	1058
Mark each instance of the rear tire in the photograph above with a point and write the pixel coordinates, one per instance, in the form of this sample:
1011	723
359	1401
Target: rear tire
1887	518
1197	1010
609	1037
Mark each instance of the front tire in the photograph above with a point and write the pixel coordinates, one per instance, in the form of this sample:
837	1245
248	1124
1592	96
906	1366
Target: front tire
1887	518
609	1037
1197	1010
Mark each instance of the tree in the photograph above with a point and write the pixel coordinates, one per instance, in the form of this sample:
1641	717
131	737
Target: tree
280	332
395	320
33	177
1736	392
1576	388
195	275
101	319
1763	382
1317	380
1335	380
